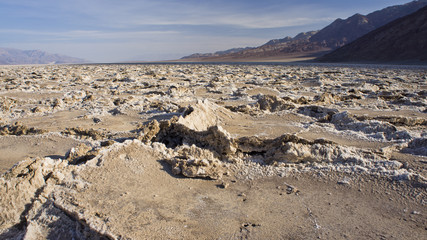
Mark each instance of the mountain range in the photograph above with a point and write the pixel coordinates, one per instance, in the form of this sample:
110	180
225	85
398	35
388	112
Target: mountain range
316	43
377	36
10	56
402	40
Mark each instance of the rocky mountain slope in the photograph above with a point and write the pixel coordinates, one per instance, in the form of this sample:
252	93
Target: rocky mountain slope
341	32
10	56
333	36
404	39
300	36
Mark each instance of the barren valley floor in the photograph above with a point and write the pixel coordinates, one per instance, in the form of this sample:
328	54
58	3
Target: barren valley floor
213	151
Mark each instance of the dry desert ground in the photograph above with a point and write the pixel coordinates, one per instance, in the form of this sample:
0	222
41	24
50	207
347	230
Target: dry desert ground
213	151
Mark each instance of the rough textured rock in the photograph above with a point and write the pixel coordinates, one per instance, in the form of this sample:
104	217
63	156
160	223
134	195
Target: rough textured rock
417	146
80	154
327	98
399	120
18	129
25	187
85	133
147	132
273	104
321	113
200	117
192	161
287	148
52	221
374	129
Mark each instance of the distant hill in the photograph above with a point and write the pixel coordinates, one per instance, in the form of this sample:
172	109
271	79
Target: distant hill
216	54
315	43
10	56
281	47
403	40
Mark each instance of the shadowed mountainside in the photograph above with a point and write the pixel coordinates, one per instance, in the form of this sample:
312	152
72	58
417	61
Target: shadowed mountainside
404	39
315	43
341	32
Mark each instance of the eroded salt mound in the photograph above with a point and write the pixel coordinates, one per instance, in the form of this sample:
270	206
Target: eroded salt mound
372	128
76	196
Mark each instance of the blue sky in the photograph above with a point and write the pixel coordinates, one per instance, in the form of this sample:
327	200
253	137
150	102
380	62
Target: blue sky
122	30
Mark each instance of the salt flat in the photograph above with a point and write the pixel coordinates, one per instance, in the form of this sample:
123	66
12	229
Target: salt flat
213	151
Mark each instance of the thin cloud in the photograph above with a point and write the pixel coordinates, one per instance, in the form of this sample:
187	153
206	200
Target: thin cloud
178	14
85	34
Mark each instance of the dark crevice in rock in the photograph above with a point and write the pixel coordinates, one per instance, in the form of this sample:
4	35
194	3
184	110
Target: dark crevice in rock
81	154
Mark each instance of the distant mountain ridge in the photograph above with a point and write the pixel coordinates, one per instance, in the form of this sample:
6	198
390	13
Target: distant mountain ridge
300	36
11	56
275	47
335	35
402	40
218	53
